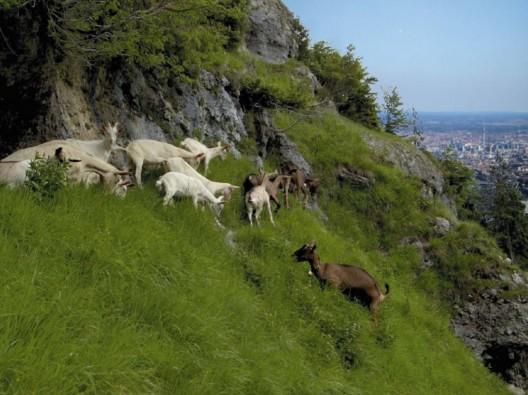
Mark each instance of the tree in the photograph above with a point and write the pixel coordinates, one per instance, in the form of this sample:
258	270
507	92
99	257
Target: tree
459	185
507	220
178	37
345	81
416	132
302	37
393	110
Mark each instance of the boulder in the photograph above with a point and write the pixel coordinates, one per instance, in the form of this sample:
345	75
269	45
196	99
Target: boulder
442	226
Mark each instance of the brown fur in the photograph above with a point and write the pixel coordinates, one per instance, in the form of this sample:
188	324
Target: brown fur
346	278
298	180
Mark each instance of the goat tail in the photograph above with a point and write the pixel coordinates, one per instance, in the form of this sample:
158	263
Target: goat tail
159	185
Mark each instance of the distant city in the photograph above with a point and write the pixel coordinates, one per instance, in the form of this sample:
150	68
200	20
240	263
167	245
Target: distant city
479	139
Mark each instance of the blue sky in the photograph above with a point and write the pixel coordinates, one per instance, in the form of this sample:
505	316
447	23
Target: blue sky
447	55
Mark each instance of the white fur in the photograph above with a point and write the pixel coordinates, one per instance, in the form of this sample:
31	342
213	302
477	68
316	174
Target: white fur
216	188
153	152
88	164
255	200
178	184
14	173
101	149
210	153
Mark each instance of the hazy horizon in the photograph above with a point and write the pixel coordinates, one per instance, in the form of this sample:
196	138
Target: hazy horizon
450	56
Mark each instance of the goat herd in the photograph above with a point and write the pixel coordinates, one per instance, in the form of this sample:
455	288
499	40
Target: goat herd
89	164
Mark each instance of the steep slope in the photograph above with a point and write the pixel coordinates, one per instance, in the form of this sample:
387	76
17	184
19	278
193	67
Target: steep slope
107	295
124	296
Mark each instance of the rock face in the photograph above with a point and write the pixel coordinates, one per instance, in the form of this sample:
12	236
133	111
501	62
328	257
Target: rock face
357	178
496	329
411	161
271	34
269	140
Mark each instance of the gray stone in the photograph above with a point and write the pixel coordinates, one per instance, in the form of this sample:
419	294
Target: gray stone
442	226
271	34
410	161
270	140
497	333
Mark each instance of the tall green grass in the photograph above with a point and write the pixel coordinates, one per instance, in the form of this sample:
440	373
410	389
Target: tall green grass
102	295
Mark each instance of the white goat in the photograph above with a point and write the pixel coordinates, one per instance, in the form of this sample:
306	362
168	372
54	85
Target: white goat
255	200
210	153
13	173
216	188
101	149
153	152
81	163
178	184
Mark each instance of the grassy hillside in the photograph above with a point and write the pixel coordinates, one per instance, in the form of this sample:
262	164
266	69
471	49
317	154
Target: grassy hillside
101	295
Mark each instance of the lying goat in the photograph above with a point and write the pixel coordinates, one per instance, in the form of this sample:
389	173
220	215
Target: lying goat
255	200
216	188
81	164
209	153
178	184
280	182
153	152
13	173
349	279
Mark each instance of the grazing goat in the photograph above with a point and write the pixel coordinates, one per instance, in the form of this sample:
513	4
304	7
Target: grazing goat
255	200
216	188
178	184
301	183
351	280
81	163
210	153
103	148
280	182
153	152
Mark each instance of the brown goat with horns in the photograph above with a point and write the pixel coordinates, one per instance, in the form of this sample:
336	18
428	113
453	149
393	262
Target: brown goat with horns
348	279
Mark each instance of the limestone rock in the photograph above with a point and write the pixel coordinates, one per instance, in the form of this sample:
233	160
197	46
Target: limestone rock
270	34
442	226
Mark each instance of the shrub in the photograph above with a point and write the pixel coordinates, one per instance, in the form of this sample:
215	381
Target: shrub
46	176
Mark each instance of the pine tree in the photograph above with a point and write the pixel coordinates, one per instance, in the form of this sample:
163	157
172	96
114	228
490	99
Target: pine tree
416	132
507	219
393	108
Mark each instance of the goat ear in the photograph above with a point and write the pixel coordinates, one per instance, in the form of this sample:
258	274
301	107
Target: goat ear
313	245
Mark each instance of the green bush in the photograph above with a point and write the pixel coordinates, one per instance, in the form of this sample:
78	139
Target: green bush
45	177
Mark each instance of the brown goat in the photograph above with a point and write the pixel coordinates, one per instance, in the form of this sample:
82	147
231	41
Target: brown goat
348	279
298	179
